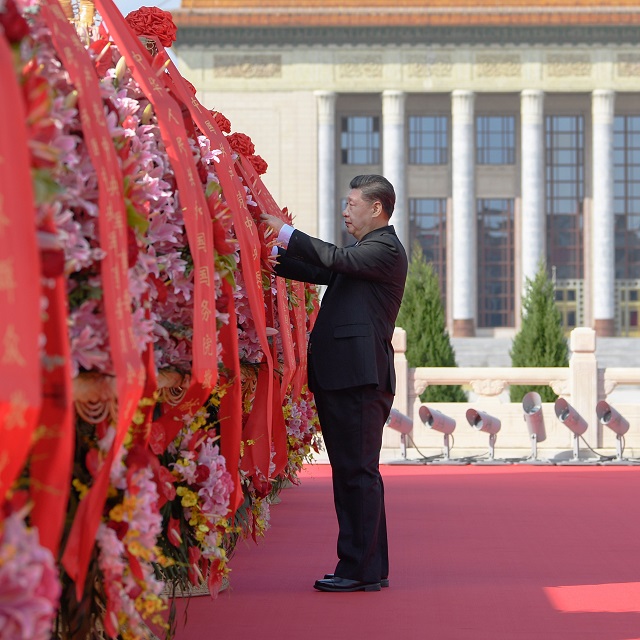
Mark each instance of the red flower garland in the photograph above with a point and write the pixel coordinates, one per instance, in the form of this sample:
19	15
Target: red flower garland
241	143
259	164
151	21
224	124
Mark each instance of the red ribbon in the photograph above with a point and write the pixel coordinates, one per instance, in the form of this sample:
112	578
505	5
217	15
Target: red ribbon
191	193
266	202
278	428
230	410
256	458
299	321
246	230
279	432
288	347
20	325
112	224
52	456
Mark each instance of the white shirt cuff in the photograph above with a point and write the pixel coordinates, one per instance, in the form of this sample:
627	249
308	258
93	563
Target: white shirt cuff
284	235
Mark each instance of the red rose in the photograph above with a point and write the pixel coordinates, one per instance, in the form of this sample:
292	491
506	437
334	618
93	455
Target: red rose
14	25
258	164
224	124
151	21
202	473
241	143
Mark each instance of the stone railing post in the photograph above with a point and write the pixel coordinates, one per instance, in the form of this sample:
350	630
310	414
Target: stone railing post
390	437
583	377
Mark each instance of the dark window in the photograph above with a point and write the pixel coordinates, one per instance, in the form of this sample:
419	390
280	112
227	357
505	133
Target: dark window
428	226
345	239
626	167
564	167
428	139
495	140
495	263
360	140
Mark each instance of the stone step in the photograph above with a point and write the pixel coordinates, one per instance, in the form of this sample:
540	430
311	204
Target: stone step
494	352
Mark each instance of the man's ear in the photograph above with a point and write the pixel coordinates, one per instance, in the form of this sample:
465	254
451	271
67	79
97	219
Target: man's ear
377	208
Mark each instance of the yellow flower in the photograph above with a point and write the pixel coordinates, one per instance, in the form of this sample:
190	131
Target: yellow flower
80	488
149	605
137	550
189	498
117	513
162	560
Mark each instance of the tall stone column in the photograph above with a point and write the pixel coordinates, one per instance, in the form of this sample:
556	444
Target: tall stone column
533	215
393	158
603	220
465	271
327	207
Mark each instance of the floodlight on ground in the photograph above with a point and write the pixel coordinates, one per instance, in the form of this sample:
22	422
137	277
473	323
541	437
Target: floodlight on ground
532	409
438	421
609	417
401	423
573	421
482	421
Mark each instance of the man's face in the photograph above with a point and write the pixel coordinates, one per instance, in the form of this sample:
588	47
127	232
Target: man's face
360	216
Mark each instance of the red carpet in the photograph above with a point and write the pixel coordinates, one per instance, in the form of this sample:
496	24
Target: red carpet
477	553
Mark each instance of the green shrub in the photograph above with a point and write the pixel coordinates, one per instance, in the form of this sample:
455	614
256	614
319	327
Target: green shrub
422	317
541	341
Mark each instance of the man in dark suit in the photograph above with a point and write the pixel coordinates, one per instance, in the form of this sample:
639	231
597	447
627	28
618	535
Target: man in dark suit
350	366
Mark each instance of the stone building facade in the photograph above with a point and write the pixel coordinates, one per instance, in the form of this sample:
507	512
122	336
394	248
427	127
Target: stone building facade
510	130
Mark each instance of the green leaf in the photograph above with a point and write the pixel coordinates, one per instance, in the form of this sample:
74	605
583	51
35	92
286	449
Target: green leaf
135	220
45	188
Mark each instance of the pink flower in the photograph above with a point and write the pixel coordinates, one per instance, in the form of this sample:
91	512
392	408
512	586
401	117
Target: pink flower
216	488
29	587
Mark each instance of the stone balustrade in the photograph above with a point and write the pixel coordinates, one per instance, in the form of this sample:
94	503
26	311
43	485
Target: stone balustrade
582	384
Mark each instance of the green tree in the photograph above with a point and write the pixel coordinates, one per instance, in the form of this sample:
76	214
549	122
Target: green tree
422	317
541	341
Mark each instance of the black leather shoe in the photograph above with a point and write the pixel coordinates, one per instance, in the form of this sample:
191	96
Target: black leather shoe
384	583
345	585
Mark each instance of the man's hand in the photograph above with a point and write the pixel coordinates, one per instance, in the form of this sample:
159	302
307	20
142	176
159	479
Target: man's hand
272	222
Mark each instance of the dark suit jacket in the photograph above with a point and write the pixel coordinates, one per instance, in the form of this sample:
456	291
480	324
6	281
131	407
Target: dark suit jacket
351	339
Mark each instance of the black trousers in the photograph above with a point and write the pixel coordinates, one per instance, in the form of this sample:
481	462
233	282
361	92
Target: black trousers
352	421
